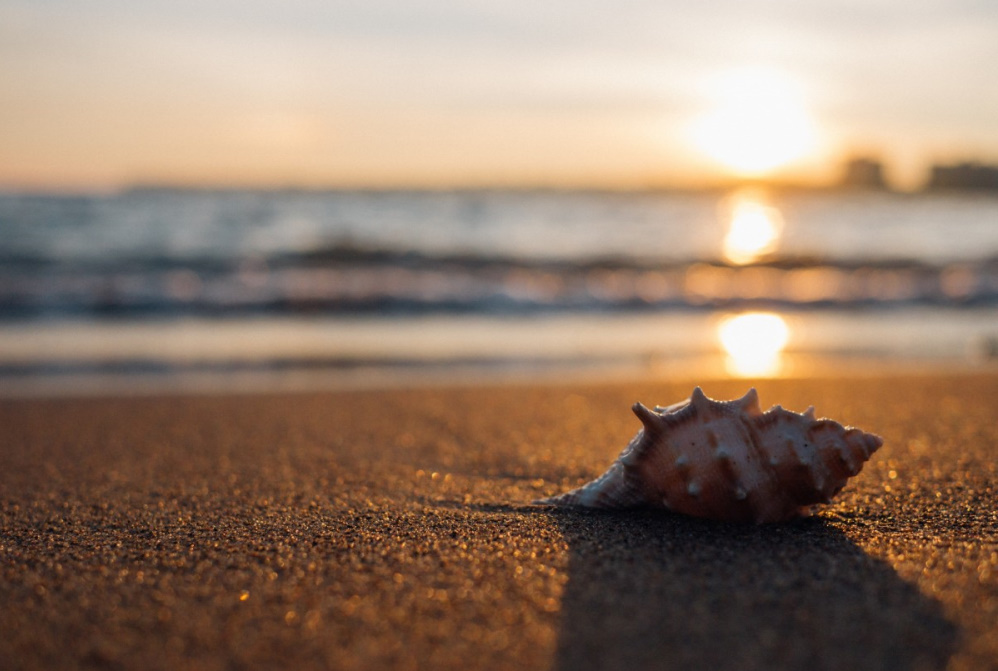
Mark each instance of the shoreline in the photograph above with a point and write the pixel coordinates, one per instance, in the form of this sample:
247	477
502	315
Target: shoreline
382	377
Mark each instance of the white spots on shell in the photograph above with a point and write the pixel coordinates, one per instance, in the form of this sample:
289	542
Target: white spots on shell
729	461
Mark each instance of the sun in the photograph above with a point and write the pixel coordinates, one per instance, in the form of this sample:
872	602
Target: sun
758	123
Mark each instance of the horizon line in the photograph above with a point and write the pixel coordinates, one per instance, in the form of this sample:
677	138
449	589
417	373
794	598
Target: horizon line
839	182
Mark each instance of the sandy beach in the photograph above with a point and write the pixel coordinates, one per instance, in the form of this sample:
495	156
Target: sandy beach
393	530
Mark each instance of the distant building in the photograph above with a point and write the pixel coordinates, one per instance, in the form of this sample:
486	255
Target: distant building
863	173
964	176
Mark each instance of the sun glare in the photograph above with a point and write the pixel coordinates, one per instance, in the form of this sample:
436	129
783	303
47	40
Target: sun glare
754	342
758	123
754	229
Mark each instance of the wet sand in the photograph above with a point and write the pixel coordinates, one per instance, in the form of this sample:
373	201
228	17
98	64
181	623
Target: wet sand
392	530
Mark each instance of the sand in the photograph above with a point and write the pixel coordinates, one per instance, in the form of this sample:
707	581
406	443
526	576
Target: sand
393	530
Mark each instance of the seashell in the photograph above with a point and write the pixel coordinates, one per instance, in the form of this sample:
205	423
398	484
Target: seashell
728	460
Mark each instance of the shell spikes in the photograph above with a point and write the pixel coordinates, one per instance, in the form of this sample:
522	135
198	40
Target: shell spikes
728	460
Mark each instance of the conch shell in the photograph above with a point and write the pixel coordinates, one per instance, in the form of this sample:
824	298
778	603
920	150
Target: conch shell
728	461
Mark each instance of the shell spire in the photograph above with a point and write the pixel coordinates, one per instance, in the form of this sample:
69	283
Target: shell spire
651	420
749	403
699	400
728	460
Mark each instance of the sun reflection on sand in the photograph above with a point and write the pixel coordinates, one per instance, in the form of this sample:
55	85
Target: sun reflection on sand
753	342
754	229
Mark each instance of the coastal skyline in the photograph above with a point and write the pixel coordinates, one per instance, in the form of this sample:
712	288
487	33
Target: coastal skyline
443	93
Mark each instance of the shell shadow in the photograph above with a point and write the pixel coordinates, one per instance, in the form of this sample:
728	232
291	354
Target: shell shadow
654	591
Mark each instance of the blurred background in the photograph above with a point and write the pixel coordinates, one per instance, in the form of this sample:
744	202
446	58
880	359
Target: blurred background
260	194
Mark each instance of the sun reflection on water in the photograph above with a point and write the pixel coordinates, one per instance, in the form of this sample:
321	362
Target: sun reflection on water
754	229
753	342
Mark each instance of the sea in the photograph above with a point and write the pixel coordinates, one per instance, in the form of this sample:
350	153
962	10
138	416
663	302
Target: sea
156	289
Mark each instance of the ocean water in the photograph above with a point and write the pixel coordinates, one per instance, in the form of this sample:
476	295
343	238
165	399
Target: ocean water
157	286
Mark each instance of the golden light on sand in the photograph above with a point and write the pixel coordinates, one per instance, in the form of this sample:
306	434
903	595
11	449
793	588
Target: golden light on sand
754	230
754	342
758	123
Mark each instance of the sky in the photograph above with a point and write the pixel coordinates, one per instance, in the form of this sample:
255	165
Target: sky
385	93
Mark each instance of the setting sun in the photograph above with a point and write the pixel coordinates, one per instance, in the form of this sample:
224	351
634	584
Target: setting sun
758	123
